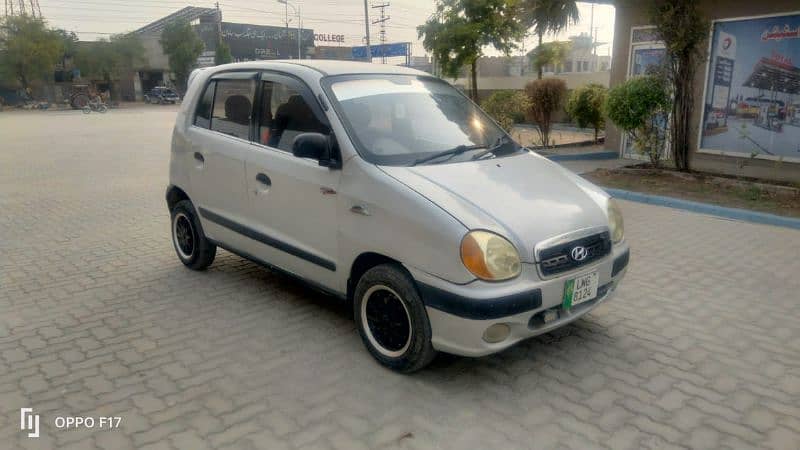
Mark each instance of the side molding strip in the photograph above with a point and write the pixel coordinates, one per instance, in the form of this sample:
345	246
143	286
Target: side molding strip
267	240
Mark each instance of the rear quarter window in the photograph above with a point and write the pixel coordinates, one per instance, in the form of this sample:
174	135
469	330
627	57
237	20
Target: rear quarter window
202	116
233	107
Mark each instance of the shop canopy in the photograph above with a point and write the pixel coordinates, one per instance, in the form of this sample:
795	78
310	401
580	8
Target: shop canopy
776	76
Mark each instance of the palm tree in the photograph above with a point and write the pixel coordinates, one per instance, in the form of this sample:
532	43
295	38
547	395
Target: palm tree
550	16
549	53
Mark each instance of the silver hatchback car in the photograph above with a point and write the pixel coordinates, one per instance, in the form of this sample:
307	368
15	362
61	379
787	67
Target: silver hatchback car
386	186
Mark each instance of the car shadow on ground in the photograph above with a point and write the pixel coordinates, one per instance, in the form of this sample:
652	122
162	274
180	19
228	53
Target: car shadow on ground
565	345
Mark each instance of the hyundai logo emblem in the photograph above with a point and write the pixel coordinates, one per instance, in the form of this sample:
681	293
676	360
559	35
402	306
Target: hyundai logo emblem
579	253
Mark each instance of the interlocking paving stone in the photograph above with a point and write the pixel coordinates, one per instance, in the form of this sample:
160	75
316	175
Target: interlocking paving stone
699	348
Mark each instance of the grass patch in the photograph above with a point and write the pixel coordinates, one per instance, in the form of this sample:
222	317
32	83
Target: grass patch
778	200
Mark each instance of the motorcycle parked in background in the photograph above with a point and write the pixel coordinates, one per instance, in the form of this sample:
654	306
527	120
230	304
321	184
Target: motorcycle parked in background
96	107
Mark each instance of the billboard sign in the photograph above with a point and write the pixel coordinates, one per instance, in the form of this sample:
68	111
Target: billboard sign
381	50
252	42
206	59
752	93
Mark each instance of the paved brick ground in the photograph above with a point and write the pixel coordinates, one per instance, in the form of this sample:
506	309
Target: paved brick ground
700	349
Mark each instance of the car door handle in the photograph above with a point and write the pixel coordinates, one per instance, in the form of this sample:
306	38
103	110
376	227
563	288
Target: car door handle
199	156
264	179
361	210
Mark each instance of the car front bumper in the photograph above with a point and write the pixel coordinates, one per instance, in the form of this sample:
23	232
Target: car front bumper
460	314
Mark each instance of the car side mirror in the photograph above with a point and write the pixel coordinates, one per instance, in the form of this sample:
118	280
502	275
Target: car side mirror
315	146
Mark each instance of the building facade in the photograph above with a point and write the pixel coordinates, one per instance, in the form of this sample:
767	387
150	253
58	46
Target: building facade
746	119
247	42
582	57
497	73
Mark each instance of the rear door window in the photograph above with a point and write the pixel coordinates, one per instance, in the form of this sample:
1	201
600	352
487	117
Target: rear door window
203	114
233	107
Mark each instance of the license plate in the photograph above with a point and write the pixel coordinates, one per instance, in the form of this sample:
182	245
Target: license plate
580	289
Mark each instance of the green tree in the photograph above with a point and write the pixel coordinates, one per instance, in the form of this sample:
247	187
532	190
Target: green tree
182	46
110	59
549	53
586	105
129	51
545	97
223	53
507	107
683	28
460	29
30	50
640	106
549	16
69	44
95	59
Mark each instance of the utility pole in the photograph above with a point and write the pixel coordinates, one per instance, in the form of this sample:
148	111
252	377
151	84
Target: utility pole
382	21
286	9
219	21
366	25
299	29
591	34
296	10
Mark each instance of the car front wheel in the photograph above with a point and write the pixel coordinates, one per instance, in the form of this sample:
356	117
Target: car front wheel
392	320
193	249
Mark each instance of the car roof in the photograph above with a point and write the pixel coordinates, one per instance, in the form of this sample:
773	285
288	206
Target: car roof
326	66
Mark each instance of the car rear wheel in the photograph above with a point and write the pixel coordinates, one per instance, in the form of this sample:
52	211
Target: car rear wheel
392	320
193	249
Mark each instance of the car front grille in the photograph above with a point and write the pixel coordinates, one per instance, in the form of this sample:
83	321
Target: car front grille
558	258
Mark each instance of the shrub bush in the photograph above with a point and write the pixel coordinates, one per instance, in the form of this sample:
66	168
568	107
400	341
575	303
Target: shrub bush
585	106
506	107
545	97
640	106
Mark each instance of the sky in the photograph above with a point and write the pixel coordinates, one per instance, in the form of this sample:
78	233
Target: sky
93	19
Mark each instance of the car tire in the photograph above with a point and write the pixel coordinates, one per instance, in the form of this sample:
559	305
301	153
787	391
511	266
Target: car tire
392	320
191	245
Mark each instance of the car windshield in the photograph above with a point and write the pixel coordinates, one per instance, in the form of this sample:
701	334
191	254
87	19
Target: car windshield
403	120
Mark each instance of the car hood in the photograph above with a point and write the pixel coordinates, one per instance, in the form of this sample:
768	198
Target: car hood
526	198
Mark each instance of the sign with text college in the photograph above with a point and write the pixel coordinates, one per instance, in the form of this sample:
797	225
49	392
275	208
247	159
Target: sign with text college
752	93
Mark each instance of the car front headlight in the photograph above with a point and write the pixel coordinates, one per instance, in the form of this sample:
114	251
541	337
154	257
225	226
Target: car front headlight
615	222
489	256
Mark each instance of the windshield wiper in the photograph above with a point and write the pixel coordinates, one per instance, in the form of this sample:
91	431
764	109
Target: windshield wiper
451	153
501	141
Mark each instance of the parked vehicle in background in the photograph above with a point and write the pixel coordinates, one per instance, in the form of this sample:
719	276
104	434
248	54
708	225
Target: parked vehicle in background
387	186
79	96
161	95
